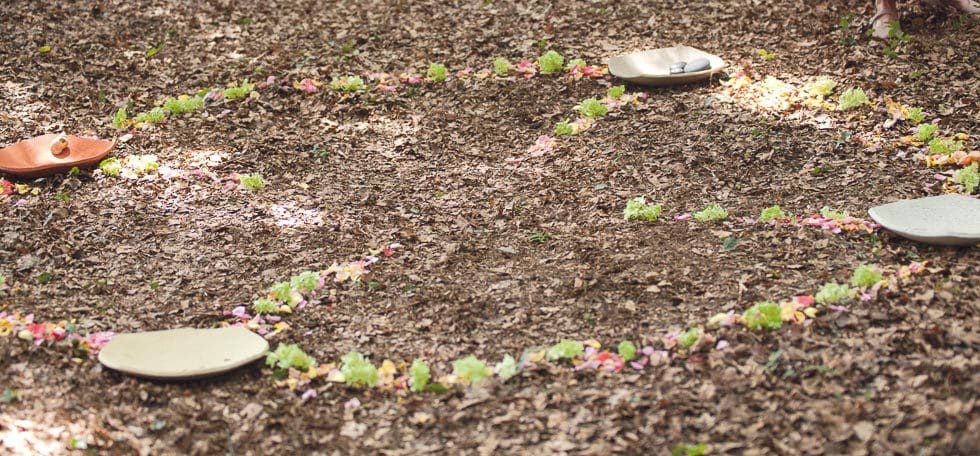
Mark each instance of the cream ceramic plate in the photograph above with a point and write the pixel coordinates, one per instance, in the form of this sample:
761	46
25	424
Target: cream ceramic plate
180	354
942	220
653	67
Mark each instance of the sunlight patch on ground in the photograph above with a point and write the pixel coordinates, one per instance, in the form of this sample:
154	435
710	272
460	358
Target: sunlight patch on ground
25	437
791	99
288	215
389	133
205	158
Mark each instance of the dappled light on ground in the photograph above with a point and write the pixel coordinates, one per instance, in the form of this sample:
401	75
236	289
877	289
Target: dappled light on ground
21	437
288	215
793	101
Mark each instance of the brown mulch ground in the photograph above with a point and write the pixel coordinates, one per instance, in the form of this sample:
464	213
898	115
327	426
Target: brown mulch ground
428	169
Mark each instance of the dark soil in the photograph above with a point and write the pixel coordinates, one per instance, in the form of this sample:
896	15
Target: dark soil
428	168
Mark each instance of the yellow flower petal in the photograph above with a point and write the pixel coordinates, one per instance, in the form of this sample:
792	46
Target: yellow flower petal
335	376
536	357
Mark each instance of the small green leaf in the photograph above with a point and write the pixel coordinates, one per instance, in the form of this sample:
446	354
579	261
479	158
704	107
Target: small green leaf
730	243
688	449
77	443
437	388
538	237
773	359
9	396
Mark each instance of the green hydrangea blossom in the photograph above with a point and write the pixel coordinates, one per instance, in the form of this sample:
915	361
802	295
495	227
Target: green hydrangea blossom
915	116
358	370
711	213
110	166
153	116
564	128
239	92
575	63
829	213
418	376
120	119
551	62
926	131
252	181
688	338
944	146
968	177
289	356
436	73
506	368
772	213
626	350
348	84
616	91
823	87
591	108
283	292
833	293
852	98
638	209
305	282
565	349
865	276
142	164
178	106
763	315
265	306
501	66
471	370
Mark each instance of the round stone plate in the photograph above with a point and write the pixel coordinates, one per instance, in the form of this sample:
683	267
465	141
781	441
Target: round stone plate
941	220
652	67
181	354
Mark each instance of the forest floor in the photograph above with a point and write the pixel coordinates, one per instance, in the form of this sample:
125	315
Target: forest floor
494	246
